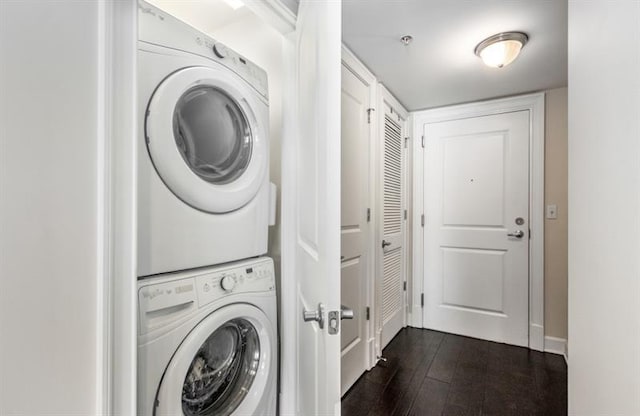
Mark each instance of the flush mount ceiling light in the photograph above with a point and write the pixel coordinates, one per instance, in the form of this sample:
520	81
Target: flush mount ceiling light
500	50
234	4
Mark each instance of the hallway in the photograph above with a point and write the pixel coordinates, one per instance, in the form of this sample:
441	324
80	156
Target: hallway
434	373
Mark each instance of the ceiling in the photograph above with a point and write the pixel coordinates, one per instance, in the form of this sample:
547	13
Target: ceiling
439	67
204	15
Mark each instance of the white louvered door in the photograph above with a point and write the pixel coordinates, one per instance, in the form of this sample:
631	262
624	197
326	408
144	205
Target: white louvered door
393	161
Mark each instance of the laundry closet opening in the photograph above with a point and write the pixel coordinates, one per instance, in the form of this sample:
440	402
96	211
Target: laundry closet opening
210	99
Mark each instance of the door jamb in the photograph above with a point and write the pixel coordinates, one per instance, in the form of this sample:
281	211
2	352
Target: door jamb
353	64
534	103
116	328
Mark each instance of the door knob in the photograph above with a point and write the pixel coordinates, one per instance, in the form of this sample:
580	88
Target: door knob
516	234
385	243
346	312
317	315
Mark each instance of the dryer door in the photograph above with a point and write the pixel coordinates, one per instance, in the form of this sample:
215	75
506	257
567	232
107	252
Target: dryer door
207	138
224	366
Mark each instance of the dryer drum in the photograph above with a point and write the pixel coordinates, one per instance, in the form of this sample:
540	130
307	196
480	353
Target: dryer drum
212	134
221	373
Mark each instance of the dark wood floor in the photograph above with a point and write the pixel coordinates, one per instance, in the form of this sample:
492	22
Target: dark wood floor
433	373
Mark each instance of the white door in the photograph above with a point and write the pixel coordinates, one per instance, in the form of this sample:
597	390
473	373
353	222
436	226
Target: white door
476	235
392	244
316	173
354	230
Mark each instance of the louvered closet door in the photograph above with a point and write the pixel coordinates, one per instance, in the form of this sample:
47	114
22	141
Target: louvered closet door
392	229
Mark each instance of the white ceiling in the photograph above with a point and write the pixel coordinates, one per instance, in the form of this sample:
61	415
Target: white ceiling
204	15
439	68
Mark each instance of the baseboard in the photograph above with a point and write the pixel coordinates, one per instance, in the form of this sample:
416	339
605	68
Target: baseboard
555	345
536	337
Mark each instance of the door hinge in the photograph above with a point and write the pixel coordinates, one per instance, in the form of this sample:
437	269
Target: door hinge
368	313
369	110
405	214
422	300
404	285
368	214
423	142
422	220
406	141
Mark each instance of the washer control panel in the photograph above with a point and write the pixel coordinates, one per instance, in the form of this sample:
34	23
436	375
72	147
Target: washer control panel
245	277
164	302
166	299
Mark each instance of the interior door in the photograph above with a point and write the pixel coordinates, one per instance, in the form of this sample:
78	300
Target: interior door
392	244
477	227
317	207
354	229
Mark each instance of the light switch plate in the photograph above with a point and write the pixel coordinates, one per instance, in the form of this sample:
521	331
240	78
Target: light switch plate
552	212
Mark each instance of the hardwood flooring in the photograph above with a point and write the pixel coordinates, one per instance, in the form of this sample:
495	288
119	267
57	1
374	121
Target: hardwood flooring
434	373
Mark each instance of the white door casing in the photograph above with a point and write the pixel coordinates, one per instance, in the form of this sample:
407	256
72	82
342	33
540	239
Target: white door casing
476	194
355	230
392	222
311	214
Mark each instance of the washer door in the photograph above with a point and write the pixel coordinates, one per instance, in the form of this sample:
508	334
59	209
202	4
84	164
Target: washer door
205	140
222	366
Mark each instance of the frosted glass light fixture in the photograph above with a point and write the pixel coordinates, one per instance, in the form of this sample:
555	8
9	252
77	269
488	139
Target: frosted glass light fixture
500	50
234	4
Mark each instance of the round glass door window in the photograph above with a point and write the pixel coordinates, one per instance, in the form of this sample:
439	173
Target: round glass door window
212	134
221	373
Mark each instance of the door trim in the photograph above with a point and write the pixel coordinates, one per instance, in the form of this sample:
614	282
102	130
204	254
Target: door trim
116	308
353	64
534	103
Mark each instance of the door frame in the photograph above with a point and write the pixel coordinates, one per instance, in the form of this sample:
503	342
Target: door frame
117	167
357	68
534	103
387	99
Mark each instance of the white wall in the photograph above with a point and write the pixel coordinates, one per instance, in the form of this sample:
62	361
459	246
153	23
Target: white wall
604	208
48	207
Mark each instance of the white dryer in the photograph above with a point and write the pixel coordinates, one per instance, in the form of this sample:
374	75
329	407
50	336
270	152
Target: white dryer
203	149
207	342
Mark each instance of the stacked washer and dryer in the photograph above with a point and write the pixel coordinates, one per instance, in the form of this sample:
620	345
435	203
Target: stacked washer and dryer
207	340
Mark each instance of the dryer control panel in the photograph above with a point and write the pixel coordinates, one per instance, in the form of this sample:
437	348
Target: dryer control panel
160	28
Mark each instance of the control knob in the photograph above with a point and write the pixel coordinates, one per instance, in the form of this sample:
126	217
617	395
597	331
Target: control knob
220	50
228	283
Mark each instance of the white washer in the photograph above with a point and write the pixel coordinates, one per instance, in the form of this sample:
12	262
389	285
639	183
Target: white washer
203	149
207	342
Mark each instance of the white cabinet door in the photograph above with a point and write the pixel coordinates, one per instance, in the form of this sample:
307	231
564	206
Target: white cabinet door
476	236
315	174
354	226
